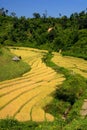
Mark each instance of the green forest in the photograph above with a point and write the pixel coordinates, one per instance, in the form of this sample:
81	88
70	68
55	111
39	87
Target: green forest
68	34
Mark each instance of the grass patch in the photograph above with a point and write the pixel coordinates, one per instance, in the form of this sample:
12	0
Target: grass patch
10	69
77	124
74	54
10	124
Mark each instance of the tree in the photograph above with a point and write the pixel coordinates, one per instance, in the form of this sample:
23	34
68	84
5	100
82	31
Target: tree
6	11
64	21
13	14
2	12
74	16
45	14
36	15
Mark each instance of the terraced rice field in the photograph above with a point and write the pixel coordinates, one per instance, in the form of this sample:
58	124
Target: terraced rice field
23	98
76	65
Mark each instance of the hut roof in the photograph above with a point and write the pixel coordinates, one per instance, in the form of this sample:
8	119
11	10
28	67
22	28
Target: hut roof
15	58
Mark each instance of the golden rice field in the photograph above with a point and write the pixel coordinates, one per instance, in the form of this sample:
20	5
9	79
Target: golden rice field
76	65
23	98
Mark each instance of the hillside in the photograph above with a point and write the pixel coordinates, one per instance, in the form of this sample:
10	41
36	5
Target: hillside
45	93
10	69
67	33
33	85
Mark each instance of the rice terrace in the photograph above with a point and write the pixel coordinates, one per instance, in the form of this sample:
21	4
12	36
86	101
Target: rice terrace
23	98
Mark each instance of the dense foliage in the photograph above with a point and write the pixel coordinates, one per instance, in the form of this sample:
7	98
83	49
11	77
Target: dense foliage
66	33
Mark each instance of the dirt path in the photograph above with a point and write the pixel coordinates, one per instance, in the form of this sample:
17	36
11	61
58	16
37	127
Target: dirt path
23	98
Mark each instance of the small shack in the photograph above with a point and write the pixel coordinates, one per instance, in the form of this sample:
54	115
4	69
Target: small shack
15	58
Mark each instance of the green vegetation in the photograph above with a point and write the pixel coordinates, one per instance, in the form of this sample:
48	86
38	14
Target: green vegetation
68	97
10	124
76	124
8	68
66	33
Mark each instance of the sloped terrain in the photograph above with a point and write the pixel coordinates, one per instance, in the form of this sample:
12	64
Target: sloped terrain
8	68
23	98
76	65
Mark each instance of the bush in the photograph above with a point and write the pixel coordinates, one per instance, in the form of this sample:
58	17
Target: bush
77	125
9	42
11	124
71	89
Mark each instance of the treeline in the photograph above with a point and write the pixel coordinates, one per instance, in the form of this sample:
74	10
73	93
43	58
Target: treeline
68	34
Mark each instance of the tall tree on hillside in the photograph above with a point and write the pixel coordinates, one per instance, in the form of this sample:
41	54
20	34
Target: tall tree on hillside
45	14
36	15
2	12
13	14
6	11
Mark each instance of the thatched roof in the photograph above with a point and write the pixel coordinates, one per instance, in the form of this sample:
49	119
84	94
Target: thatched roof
15	58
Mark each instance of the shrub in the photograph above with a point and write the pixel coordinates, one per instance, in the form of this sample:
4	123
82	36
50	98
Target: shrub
71	89
9	42
12	124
